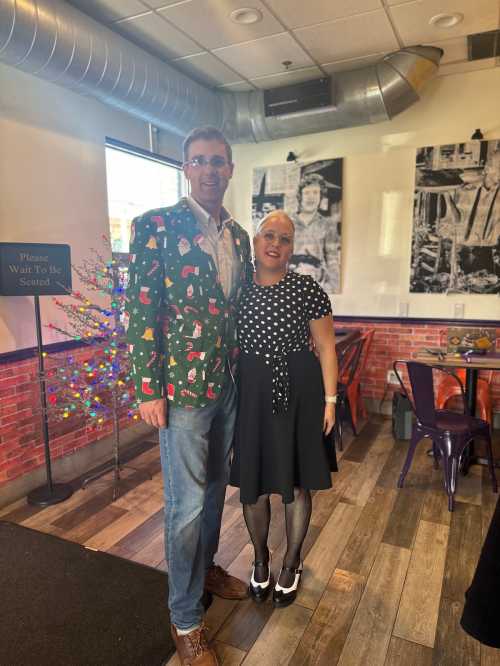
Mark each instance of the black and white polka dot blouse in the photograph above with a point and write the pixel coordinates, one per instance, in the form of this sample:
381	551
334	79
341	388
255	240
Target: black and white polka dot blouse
274	320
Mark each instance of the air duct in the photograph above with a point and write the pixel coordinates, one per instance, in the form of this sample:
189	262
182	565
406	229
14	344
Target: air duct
53	40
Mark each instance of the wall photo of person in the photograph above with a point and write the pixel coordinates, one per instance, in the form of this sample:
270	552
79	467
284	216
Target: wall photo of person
311	194
456	219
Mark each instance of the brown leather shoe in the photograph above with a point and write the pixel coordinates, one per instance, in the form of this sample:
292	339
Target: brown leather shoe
193	649
219	582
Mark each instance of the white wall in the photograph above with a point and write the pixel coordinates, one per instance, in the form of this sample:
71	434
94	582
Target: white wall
379	176
53	179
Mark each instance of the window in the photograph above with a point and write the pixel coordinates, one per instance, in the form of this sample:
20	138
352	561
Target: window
137	181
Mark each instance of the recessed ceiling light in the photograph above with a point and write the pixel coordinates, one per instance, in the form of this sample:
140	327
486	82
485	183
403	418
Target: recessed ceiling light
246	15
446	20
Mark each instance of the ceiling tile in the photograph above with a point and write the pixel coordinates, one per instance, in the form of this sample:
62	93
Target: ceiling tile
412	19
352	63
207	69
157	36
242	86
208	22
264	56
454	49
287	78
349	38
109	10
299	13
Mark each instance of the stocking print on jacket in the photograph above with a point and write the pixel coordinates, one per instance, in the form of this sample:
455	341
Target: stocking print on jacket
181	327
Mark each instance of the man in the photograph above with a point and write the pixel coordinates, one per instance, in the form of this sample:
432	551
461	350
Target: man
472	224
315	234
188	264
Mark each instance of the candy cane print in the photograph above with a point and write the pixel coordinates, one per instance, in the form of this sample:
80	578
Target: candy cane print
190	270
195	354
155	264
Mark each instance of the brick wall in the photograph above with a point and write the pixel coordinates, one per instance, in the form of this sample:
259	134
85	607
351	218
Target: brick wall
21	438
21	444
403	341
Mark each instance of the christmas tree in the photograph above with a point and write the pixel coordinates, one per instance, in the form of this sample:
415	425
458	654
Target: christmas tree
100	389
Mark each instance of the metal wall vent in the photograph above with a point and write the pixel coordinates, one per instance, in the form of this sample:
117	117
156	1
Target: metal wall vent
298	97
483	45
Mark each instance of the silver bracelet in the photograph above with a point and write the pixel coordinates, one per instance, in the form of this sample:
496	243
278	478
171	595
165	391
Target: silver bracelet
331	398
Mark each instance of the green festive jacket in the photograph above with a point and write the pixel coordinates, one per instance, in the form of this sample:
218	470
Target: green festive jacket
181	327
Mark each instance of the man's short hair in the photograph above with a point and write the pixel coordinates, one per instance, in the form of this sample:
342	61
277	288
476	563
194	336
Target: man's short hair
206	133
309	180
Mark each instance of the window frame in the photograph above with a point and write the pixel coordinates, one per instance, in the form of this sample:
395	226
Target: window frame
123	257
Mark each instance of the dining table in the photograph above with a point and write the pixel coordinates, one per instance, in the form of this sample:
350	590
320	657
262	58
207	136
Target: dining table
473	363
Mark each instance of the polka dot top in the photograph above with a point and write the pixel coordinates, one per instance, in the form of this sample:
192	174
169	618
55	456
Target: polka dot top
274	321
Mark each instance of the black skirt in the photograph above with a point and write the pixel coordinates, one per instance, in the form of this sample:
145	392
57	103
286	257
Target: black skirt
273	453
481	616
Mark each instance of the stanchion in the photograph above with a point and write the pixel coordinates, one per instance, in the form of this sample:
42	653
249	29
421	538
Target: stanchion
51	493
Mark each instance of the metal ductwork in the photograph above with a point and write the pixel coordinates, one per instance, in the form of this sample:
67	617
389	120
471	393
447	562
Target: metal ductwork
53	40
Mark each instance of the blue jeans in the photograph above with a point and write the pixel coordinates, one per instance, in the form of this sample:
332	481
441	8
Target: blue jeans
195	456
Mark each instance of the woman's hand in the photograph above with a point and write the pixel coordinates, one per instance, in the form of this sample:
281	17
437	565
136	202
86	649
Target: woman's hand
329	418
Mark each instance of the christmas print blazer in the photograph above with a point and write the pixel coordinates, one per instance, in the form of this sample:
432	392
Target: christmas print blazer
181	327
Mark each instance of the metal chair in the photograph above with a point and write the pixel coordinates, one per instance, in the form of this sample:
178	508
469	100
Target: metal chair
354	390
448	389
348	360
450	432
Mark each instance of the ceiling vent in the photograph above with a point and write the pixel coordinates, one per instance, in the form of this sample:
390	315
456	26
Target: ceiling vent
483	45
306	96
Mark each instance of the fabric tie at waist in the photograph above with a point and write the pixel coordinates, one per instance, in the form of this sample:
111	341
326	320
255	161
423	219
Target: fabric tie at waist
281	382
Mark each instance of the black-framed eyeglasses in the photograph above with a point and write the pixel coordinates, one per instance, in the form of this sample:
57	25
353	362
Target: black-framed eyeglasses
198	161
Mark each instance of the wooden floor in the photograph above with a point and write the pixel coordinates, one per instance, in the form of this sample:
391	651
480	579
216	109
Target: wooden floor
385	570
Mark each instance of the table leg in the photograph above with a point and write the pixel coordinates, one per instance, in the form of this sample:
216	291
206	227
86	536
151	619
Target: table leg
468	457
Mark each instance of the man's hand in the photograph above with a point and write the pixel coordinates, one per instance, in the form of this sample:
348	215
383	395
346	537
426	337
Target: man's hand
154	412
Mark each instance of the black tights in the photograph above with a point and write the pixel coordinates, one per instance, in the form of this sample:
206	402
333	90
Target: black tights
297	517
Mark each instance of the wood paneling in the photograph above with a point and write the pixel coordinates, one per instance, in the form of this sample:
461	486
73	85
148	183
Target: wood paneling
464	547
323	556
404	518
361	549
280	637
404	653
453	646
375	591
325	636
370	632
418	611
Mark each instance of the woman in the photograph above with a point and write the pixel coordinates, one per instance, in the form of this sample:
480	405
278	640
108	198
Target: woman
286	402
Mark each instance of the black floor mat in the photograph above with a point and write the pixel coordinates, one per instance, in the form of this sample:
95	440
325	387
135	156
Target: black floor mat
61	603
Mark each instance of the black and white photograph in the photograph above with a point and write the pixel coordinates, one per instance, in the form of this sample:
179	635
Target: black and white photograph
456	219
312	195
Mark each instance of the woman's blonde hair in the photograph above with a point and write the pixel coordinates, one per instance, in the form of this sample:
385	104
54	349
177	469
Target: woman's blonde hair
274	213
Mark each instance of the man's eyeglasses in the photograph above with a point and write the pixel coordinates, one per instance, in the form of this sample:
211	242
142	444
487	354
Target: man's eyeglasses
198	161
272	237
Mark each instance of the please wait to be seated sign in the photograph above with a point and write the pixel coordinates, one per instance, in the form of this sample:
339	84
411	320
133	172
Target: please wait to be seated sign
34	269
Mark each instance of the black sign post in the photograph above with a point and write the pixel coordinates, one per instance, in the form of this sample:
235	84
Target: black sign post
38	269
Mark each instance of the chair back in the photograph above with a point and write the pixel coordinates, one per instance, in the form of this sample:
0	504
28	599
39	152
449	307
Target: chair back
367	339
348	361
422	389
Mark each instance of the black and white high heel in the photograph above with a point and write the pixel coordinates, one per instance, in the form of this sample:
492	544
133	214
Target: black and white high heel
260	591
284	596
